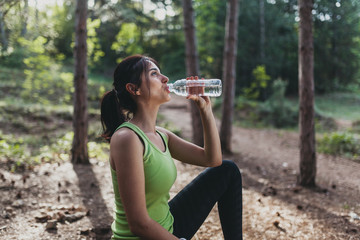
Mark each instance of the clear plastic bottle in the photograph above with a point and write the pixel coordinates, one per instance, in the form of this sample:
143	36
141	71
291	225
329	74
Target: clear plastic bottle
200	87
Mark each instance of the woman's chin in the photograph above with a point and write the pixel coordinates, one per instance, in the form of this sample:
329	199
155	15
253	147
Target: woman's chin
169	98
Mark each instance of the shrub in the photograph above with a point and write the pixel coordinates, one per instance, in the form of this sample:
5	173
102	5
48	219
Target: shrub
340	143
13	59
277	111
259	83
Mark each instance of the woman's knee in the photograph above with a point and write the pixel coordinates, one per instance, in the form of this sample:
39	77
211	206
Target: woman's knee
231	168
230	165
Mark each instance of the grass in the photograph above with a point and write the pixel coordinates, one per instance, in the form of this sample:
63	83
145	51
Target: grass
337	105
344	106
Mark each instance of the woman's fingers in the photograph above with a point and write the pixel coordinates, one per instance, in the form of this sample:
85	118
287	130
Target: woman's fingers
201	101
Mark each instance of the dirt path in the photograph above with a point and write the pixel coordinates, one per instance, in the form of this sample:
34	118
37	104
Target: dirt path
78	199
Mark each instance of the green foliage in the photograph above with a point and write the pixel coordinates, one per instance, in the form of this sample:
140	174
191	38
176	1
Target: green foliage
277	111
13	149
336	41
280	42
63	23
340	143
212	14
13	59
93	45
127	40
336	38
44	82
259	82
10	81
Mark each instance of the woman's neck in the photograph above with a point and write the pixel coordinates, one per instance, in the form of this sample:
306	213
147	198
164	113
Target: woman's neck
145	119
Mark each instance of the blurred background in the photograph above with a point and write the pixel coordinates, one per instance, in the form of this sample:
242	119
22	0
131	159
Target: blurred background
37	65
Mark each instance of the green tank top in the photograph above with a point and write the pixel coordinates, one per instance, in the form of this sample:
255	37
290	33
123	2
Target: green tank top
160	174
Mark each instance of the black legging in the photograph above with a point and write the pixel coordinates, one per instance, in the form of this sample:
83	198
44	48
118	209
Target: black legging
192	205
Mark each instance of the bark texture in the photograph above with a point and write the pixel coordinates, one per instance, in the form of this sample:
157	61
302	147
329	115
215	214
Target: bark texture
79	151
306	94
192	66
229	74
262	30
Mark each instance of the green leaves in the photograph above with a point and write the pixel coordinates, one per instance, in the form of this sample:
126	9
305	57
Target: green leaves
127	40
260	81
340	143
44	83
93	44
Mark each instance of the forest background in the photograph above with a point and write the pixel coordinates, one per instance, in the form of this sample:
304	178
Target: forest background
36	61
37	68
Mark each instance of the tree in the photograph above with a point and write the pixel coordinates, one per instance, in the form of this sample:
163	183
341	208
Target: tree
335	40
4	41
262	30
229	74
5	7
25	18
306	94
79	151
192	66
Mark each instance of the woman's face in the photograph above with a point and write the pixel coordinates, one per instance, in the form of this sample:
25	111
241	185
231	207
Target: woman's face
156	88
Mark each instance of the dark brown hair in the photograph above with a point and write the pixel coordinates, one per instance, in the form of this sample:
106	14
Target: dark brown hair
117	105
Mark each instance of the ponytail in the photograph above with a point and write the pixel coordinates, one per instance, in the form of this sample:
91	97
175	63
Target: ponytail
111	114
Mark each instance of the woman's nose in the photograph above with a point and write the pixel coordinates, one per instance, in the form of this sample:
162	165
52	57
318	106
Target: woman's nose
165	79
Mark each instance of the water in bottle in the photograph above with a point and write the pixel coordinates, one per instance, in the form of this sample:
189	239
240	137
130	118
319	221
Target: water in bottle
201	87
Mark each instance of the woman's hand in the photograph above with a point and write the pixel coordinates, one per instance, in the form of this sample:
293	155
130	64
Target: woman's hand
203	102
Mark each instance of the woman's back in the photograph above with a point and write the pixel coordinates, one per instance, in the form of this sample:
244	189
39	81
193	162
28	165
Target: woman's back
160	174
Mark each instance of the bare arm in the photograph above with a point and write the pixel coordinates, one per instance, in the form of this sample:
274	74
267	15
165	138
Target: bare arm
126	153
210	155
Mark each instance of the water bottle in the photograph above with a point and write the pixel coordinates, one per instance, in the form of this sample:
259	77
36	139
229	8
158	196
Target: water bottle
200	87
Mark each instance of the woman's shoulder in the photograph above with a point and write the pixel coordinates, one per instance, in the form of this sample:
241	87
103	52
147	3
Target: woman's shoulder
125	137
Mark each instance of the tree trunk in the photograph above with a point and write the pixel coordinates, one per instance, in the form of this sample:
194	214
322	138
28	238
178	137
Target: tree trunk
25	18
4	41
229	75
192	66
79	151
306	94
262	30
36	17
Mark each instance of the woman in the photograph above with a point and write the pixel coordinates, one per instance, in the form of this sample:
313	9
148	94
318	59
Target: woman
142	167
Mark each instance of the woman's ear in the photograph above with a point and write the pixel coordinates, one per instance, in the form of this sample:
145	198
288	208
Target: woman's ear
132	89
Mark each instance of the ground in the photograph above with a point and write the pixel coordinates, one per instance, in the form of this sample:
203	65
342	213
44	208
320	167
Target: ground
65	201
